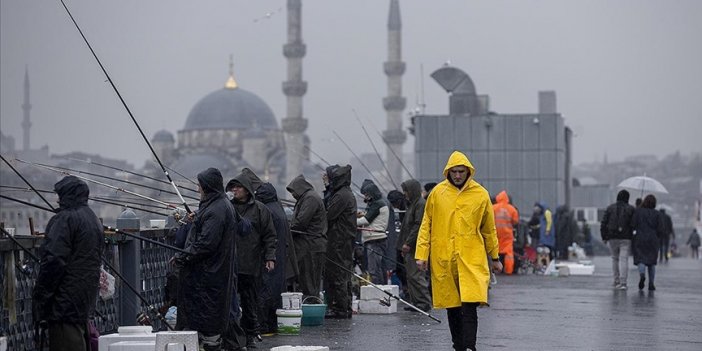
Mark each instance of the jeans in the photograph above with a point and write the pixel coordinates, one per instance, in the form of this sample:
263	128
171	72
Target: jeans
651	272
620	259
375	252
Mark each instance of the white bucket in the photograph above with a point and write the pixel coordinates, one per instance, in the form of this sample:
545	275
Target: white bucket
291	300
289	321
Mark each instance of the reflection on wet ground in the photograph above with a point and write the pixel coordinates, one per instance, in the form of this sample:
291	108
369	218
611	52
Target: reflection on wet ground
544	313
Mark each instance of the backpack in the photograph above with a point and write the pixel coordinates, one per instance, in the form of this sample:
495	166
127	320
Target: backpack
618	221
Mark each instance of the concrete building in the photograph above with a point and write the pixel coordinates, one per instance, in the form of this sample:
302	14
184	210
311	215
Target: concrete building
526	154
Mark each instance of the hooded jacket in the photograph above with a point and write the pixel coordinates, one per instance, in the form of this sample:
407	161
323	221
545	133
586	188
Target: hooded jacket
458	230
413	216
649	228
70	257
284	250
616	221
506	217
546	228
377	214
259	246
341	206
207	271
309	220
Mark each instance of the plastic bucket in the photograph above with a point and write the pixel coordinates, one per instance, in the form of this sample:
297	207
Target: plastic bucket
288	321
291	300
313	314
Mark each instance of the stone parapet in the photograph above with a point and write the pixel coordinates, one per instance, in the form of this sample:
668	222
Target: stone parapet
395	136
394	68
294	50
394	103
294	125
294	88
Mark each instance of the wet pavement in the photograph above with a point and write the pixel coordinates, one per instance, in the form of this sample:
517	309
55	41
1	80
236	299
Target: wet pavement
533	312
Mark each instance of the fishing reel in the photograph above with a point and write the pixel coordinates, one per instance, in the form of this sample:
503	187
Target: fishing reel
142	318
385	301
25	267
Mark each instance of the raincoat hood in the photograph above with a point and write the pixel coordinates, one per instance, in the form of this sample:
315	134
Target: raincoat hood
298	186
413	189
210	181
371	190
256	182
502	198
339	176
72	192
458	158
245	181
266	193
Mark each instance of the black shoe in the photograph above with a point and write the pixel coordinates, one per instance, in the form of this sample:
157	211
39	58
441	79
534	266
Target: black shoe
651	287
642	281
250	342
337	315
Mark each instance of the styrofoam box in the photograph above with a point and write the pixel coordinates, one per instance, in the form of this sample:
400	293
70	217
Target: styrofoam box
371	293
581	270
300	348
133	346
105	341
374	307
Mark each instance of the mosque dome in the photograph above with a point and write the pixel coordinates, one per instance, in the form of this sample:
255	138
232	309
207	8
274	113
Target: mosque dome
163	136
231	108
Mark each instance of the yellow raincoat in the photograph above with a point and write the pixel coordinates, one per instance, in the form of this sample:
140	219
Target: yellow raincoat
457	235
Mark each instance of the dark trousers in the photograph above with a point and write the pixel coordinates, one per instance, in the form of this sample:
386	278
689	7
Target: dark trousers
248	293
463	323
68	336
337	282
311	265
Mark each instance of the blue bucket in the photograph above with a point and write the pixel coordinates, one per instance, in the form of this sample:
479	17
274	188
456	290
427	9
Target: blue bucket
313	314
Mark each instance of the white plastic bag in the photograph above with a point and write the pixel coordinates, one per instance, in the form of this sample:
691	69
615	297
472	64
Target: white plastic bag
107	284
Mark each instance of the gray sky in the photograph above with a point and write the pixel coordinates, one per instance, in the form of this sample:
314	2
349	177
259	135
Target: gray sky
627	73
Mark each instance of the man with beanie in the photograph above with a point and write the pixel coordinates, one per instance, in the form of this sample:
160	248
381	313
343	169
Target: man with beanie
616	229
207	273
458	234
256	252
69	268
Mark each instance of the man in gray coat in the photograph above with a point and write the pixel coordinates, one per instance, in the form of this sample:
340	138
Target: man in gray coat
309	230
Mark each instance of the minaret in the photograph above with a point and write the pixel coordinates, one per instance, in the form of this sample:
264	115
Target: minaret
26	107
394	103
294	125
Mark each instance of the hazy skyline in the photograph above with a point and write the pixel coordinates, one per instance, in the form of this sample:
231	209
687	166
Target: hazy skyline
627	74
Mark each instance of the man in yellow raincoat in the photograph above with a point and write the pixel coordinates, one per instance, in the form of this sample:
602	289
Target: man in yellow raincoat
457	235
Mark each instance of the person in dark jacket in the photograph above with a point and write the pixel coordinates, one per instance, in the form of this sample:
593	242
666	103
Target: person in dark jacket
648	229
668	233
341	229
694	242
617	231
66	288
398	206
256	252
566	229
418	286
309	229
207	279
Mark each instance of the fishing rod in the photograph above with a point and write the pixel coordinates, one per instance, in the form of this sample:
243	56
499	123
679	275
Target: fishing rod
90	162
116	180
360	161
104	227
390	295
375	149
168	206
327	163
130	207
114	87
391	149
26	250
123	203
182	176
25	181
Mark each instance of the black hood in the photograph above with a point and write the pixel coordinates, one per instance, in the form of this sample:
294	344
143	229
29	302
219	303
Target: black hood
245	181
413	189
397	199
339	176
266	193
371	190
623	196
298	186
72	192
210	181
256	182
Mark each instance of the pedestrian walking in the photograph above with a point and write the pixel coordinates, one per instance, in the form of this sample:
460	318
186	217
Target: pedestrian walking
648	229
418	286
457	235
694	242
256	252
207	273
309	229
506	217
66	287
616	230
341	228
374	221
668	233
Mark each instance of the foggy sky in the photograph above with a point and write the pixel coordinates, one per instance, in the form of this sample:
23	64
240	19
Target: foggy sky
627	73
